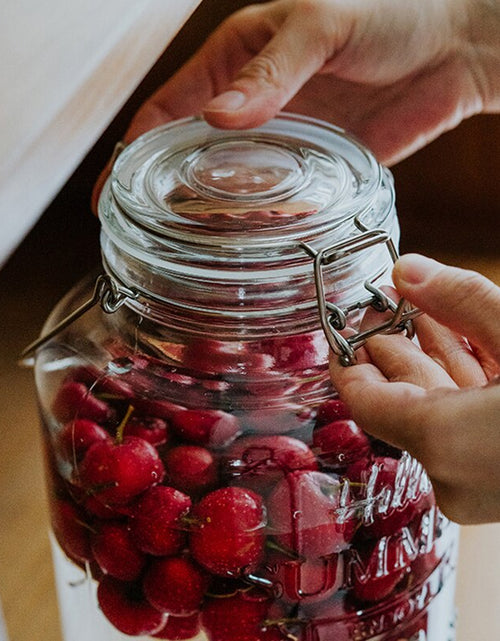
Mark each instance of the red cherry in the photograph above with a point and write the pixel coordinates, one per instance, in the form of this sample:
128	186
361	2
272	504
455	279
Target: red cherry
228	536
117	472
115	551
210	355
93	378
156	520
74	400
332	410
124	605
382	567
151	429
96	508
298	352
237	617
259	462
191	469
423	566
340	442
71	530
158	408
302	580
213	428
178	628
306	514
174	584
77	436
394	492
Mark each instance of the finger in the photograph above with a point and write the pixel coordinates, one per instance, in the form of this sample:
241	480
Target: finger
401	360
451	351
263	86
462	300
380	407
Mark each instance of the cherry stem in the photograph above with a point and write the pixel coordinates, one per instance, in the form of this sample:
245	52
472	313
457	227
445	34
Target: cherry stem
121	428
272	545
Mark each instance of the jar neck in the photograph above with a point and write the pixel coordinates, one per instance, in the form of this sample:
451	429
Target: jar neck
188	291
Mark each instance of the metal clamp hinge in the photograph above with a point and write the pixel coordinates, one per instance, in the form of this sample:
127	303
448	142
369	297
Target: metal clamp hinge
107	293
334	318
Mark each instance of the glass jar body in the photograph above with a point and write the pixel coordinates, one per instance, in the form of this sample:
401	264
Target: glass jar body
214	487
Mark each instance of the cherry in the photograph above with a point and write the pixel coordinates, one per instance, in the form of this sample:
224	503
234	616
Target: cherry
178	628
156	521
380	568
191	469
331	410
115	551
124	605
93	378
302	580
237	617
259	462
306	514
158	408
298	352
74	400
95	508
150	428
78	435
174	584
214	356
117	472
71	530
213	428
228	538
423	566
394	492
340	442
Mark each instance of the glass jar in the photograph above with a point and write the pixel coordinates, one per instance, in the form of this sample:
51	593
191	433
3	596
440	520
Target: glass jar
205	480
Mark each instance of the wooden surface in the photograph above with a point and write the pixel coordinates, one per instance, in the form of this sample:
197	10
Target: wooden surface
66	70
26	582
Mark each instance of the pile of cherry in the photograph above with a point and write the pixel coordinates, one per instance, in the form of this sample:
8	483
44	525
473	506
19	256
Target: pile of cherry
189	522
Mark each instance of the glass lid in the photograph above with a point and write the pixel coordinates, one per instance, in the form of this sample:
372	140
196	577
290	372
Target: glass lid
289	178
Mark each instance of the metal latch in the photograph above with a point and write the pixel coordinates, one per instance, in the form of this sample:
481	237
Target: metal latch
334	318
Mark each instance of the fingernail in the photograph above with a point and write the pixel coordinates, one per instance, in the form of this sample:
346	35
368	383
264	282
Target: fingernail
228	101
414	269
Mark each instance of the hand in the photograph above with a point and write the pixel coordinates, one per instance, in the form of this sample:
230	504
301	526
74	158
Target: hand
439	402
395	73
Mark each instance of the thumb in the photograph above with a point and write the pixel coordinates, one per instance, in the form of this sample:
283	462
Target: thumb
267	82
463	300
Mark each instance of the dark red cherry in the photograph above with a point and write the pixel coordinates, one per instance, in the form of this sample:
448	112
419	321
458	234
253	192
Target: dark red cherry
227	535
117	472
307	514
124	605
115	550
157	520
174	584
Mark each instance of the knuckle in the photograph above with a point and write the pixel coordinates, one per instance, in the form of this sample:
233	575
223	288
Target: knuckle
471	289
267	69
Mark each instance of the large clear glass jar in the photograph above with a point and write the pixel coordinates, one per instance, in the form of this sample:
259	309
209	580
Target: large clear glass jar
205	481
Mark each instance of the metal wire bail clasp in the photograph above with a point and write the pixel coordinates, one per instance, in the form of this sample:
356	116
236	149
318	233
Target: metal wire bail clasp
334	318
107	292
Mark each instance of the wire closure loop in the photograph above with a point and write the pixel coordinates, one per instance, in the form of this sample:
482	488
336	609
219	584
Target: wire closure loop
107	293
334	318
